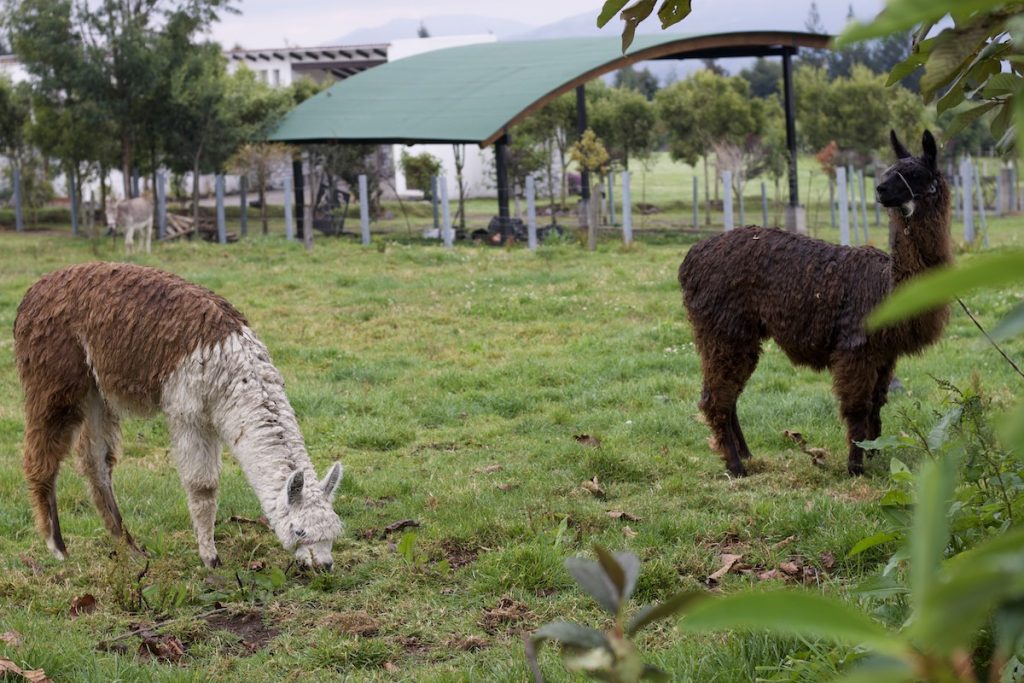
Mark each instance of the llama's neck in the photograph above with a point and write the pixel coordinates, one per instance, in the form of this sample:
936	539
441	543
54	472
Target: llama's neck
922	241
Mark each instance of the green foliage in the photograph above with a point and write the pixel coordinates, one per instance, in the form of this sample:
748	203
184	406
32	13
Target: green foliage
419	170
589	153
608	656
764	77
640	80
625	121
670	12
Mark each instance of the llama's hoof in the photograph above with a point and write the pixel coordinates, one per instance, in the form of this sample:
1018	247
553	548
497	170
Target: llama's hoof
855	469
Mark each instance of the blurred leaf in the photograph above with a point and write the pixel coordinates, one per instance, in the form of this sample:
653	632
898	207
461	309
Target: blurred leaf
595	582
939	434
1011	325
879	670
611	569
574	635
941	286
902	15
953	48
908	66
610	9
1003	83
622	568
633	15
652	613
930	530
653	673
673	11
871	541
966	118
881	587
1018	117
795	613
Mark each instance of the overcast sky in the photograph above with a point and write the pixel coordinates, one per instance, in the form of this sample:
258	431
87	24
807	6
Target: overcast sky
269	23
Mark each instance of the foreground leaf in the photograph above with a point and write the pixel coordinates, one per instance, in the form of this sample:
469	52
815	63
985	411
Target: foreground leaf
609	10
794	613
574	635
595	582
930	531
1011	325
652	613
902	15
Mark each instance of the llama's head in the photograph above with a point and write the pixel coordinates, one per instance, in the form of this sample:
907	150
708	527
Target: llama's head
911	180
310	525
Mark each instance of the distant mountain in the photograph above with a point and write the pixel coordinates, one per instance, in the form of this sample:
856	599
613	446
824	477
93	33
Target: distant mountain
441	25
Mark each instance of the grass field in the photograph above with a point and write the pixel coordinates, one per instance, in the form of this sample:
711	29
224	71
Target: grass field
452	385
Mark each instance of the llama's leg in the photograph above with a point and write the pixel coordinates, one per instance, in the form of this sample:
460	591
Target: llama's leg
726	371
48	435
197	455
99	446
854	382
878	399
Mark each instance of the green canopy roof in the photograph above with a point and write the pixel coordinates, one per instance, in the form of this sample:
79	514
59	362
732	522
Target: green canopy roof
472	93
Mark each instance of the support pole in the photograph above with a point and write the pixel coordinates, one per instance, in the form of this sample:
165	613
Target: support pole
446	215
309	195
243	201
743	210
135	182
764	205
297	188
611	198
832	202
852	178
433	201
218	182
501	163
863	208
364	209
696	204
727	199
581	126
967	182
19	220
844	208
289	219
627	210
531	214
980	196
161	205
795	221
73	197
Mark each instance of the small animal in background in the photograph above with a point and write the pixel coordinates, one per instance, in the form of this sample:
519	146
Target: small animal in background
98	341
811	297
131	216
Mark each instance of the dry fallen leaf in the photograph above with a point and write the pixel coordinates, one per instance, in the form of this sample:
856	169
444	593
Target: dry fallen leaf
728	561
771	574
818	455
784	542
621	514
257	565
83	604
33	675
12	638
797	437
489	469
431	501
587	440
594	487
390	667
36	676
791	568
7	666
628	532
828	561
399	525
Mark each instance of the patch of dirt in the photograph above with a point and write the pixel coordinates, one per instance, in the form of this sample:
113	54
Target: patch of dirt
504	616
467	643
861	492
378	502
252	634
413	645
353	623
458	553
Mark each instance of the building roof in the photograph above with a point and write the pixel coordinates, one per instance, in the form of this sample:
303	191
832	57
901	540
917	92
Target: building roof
471	94
341	61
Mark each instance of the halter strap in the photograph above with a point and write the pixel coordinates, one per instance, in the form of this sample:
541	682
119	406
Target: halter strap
909	189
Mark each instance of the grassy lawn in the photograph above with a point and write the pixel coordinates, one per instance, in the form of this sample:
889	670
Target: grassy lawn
452	385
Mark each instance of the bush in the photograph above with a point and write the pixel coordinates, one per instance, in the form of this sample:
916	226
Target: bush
419	170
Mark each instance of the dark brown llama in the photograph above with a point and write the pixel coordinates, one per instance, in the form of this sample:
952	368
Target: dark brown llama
811	297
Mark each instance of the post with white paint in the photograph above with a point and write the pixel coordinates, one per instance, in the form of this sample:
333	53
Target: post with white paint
832	202
764	205
433	201
852	206
19	220
161	205
627	210
289	220
967	183
243	203
364	209
531	214
727	199
739	203
864	206
696	204
73	198
446	214
979	194
844	207
222	236
611	198
310	183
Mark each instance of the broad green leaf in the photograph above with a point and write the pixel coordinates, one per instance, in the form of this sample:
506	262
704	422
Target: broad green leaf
929	533
906	67
881	587
966	118
952	51
673	11
609	10
1011	325
653	673
633	15
797	613
870	542
595	582
1009	627
631	568
902	15
573	635
879	670
938	287
896	498
1018	118
939	434
612	570
1003	83
651	613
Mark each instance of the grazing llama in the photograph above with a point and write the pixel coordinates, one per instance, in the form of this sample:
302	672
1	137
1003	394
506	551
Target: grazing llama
97	341
131	215
811	297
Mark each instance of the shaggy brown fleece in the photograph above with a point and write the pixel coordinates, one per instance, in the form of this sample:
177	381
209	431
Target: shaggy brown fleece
811	297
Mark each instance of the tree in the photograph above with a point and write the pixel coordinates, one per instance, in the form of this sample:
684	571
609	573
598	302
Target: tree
422	31
15	111
764	77
590	156
558	118
813	24
642	81
257	160
419	171
626	122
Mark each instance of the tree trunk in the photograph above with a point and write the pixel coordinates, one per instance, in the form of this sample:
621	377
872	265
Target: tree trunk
551	181
126	165
195	196
707	194
103	186
263	205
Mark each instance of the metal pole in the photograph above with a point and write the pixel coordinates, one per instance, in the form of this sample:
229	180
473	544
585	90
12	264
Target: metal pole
611	198
581	126
433	201
764	205
967	180
19	220
790	110
364	209
243	200
161	205
696	203
844	207
72	195
851	176
980	196
501	163
531	214
298	186
289	225
832	202
627	210
309	195
863	207
727	199
739	201
135	182
222	236
446	216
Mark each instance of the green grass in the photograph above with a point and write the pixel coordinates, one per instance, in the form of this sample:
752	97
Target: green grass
419	368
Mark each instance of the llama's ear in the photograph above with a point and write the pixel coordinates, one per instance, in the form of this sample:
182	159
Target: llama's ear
931	152
897	146
294	487
332	480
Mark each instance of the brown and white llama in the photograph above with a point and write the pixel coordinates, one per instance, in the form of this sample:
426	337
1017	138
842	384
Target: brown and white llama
97	341
811	297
